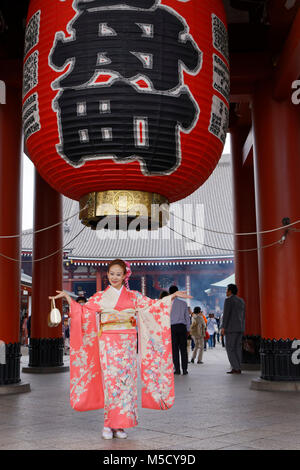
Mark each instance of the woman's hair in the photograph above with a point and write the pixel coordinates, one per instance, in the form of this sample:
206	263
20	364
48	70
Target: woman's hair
197	310
163	294
118	262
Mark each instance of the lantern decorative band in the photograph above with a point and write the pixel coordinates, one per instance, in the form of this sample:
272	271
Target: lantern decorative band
124	209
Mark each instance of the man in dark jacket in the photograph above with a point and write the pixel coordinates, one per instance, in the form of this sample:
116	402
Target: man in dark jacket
233	326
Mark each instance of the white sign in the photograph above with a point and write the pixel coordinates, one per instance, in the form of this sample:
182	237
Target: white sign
219	119
221	78
30	72
2	92
220	37
31	116
32	34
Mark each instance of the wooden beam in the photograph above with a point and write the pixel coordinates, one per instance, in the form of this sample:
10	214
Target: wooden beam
248	148
245	70
288	65
240	92
281	15
11	72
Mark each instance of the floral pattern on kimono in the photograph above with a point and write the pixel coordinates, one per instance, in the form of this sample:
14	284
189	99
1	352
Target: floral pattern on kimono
155	346
86	391
113	380
119	367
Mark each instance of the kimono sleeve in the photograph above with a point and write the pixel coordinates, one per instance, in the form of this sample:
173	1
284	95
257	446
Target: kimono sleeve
76	314
151	305
155	348
93	304
86	391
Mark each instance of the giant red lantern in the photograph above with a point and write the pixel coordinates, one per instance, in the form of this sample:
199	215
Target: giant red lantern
125	95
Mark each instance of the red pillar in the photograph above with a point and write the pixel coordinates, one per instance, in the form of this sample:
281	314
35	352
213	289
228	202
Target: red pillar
46	345
277	175
10	224
98	280
246	262
67	283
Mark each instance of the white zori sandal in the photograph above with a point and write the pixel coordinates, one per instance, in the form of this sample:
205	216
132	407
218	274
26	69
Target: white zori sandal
119	433
107	433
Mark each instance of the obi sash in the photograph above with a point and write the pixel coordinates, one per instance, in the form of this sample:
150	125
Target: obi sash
117	320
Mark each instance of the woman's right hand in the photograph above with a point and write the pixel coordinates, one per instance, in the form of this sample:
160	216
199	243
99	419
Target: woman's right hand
61	294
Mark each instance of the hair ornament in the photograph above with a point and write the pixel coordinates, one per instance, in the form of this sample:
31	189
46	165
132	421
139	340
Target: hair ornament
128	274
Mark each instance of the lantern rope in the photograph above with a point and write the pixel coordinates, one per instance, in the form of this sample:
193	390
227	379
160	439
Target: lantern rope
278	242
46	228
283	227
44	257
172	213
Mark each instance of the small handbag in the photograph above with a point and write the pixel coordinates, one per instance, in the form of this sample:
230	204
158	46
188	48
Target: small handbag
54	317
207	335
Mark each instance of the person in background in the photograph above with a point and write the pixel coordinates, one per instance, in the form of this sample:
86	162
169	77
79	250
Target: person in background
233	326
24	331
218	319
198	330
221	336
29	328
211	328
205	319
190	339
180	327
66	335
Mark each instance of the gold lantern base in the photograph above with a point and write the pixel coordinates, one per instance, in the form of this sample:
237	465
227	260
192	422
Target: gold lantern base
124	210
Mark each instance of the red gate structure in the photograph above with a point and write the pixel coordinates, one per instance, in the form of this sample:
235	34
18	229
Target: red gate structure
264	124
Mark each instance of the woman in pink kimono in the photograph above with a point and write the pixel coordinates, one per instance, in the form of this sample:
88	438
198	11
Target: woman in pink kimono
111	382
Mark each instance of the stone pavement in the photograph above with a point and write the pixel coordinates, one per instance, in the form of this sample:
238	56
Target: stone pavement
212	411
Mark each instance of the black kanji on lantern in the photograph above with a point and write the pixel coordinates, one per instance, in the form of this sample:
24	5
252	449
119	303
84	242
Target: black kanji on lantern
118	122
129	41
